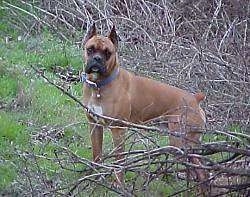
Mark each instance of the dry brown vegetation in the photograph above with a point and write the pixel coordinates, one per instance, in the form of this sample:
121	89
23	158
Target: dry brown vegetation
196	45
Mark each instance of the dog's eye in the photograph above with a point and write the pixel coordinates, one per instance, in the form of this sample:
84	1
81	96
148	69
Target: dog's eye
90	50
107	54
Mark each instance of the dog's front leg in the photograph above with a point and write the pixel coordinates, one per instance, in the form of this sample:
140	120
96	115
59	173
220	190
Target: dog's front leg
96	133
118	135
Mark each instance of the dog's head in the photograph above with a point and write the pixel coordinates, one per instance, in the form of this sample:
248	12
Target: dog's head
100	52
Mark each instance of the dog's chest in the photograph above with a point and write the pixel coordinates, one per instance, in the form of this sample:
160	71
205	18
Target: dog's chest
94	103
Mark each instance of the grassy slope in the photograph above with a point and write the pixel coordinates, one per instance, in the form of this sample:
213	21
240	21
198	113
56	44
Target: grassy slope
29	104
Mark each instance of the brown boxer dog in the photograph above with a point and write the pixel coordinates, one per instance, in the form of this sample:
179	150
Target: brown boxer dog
113	91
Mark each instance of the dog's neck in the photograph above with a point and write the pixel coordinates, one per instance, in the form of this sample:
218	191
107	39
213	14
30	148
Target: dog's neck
102	82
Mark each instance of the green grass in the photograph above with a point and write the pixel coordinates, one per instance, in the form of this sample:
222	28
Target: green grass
8	87
51	106
7	175
13	135
44	50
11	130
28	104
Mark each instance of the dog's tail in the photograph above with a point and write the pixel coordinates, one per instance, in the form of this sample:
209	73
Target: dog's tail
199	96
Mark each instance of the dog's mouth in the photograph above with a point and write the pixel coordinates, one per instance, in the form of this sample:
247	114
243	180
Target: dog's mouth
94	67
95	70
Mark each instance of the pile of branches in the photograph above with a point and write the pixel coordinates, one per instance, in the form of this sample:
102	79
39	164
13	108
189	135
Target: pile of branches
169	170
195	45
226	161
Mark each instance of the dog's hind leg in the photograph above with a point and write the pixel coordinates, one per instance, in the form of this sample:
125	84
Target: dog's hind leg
189	137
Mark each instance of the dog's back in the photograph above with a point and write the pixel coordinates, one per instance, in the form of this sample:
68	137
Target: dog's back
150	99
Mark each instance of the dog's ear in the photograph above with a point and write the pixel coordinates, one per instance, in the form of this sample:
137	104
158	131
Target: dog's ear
113	37
90	33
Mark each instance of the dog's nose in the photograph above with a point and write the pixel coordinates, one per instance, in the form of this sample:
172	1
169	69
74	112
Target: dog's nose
97	58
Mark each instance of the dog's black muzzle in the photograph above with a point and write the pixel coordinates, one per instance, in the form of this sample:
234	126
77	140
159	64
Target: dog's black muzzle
95	65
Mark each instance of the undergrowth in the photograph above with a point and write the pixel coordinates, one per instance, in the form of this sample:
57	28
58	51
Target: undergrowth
32	111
